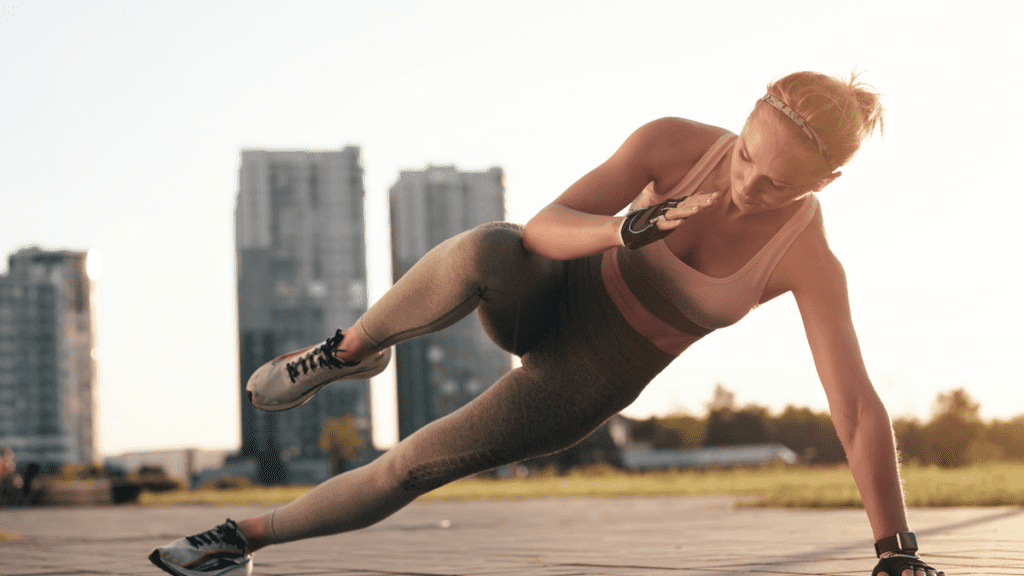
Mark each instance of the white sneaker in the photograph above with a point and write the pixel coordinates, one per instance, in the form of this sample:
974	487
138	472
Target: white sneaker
292	379
220	551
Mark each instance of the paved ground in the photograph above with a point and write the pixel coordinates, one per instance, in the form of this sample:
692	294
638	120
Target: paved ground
630	536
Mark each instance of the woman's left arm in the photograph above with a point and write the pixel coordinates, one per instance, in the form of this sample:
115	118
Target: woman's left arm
860	419
818	282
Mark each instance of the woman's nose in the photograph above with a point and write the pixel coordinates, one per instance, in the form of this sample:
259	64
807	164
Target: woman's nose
747	179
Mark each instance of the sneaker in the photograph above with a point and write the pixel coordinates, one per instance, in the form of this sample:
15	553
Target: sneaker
292	380
220	551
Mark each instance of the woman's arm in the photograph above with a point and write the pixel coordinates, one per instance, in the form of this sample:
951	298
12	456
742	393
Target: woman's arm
582	221
819	285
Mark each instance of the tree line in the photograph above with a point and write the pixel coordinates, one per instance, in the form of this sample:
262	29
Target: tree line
954	436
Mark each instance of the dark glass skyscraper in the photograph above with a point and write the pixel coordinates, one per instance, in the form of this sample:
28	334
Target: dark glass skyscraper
301	257
439	373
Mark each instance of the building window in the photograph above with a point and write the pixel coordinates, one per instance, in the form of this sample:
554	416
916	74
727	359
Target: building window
314	186
282	197
318	258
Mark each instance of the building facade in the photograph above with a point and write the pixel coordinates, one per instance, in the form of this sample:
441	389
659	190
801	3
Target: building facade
47	367
441	372
301	258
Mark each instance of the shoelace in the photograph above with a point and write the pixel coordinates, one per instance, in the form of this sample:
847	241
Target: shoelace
226	533
322	355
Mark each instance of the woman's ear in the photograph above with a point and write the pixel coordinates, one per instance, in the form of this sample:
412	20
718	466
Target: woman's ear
827	180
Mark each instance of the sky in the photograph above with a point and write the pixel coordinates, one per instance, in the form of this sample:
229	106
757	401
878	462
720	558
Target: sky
121	125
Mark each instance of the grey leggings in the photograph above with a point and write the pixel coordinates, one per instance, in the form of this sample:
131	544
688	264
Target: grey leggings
581	364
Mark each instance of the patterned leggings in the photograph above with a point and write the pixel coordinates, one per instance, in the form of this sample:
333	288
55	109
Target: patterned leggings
581	364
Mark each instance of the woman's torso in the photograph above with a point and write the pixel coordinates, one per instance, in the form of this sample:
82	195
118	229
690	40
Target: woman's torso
708	242
711	271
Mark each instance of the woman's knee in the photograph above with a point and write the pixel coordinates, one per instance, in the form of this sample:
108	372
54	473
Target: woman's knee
493	248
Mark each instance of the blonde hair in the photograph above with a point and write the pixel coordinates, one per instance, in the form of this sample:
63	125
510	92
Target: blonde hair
842	112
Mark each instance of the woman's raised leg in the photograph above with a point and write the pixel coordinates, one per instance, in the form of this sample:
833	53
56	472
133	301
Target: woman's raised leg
486	266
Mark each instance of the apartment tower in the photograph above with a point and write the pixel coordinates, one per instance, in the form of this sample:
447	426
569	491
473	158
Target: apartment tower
301	258
47	369
441	372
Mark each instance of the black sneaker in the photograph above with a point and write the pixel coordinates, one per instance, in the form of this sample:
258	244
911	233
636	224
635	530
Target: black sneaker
220	551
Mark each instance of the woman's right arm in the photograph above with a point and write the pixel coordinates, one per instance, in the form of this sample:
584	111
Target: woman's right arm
582	221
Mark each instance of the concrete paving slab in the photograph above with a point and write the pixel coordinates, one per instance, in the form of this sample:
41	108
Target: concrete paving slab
592	537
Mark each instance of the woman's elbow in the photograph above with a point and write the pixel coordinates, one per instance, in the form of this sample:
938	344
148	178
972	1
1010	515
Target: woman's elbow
538	236
530	238
867	412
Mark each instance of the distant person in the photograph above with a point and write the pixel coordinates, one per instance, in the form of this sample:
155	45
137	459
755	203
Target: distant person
598	304
11	483
30	492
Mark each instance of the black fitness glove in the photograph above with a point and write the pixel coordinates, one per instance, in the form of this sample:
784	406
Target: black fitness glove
640	227
895	564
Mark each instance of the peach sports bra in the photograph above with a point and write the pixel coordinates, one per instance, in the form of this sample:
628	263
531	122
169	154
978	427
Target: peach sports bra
674	305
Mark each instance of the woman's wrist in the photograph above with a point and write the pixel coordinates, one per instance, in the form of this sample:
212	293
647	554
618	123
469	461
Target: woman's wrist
616	230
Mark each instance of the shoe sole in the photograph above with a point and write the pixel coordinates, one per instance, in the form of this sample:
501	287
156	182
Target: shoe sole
155	559
308	395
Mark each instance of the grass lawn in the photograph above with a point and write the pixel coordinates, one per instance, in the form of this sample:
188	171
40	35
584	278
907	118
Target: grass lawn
797	486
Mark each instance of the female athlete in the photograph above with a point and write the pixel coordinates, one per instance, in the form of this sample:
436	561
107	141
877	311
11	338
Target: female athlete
598	304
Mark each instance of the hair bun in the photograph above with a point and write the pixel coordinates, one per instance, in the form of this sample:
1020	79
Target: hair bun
843	112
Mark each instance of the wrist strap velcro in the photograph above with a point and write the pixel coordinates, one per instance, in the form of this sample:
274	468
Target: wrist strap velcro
895	564
640	227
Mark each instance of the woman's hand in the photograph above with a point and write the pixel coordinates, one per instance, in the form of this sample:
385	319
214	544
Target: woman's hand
583	220
904	565
648	225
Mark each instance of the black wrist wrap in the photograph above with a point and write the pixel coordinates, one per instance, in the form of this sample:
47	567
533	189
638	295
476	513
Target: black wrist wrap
640	227
895	565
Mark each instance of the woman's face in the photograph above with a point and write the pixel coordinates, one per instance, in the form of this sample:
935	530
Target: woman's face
774	164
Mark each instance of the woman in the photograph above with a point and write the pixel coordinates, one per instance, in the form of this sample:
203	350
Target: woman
597	305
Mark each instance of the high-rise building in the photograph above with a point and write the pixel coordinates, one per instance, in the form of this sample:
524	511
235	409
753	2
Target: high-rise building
301	257
47	369
441	372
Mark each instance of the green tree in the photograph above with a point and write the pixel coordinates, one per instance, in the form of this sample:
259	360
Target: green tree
1008	437
954	430
723	399
656	434
341	441
911	441
727	426
810	434
690	429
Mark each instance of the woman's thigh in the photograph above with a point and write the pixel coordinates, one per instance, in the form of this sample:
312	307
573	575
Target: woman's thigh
485	269
519	304
587	366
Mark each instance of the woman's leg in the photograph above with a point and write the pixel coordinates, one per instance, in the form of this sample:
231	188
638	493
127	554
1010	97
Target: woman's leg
486	266
588	365
549	404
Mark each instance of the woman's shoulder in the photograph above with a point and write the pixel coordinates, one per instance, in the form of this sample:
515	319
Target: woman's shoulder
673	145
682	132
810	259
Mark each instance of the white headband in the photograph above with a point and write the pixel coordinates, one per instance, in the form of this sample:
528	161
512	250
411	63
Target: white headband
802	124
